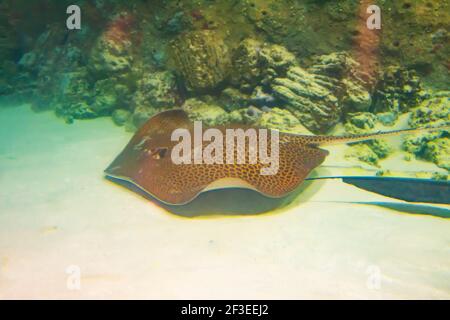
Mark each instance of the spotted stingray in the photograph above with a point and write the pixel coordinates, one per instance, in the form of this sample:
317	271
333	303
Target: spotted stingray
146	162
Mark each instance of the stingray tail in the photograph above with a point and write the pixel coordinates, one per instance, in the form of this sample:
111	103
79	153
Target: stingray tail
332	140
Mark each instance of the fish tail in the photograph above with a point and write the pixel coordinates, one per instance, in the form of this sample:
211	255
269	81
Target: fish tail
332	140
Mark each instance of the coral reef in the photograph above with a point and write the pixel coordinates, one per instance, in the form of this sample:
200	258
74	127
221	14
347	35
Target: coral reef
255	63
247	65
371	151
309	99
432	112
109	94
231	99
121	116
438	151
360	122
283	120
249	116
363	153
288	65
202	59
112	52
431	147
74	97
156	90
350	87
209	114
420	43
212	114
140	115
434	146
321	94
397	90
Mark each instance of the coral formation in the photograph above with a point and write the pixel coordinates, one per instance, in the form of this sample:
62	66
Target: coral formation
438	151
141	114
283	120
156	90
202	59
112	52
370	151
350	87
397	90
247	65
209	114
364	153
320	95
255	63
432	112
434	146
75	96
109	94
231	99
266	62
121	116
360	122
309	98
418	44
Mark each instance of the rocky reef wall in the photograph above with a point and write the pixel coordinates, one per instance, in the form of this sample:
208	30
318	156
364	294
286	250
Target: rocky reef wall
299	66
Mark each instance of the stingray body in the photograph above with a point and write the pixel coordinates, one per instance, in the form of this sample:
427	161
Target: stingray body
146	162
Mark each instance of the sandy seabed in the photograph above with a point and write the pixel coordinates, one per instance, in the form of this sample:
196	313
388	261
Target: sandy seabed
58	214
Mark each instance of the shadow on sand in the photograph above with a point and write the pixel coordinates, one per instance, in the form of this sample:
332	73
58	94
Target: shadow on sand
410	208
231	202
236	202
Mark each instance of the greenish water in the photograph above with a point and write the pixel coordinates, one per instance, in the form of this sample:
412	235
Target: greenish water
76	85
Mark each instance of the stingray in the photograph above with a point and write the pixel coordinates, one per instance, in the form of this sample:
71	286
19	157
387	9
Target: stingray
146	162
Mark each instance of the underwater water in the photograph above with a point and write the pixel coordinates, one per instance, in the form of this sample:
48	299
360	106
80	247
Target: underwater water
75	90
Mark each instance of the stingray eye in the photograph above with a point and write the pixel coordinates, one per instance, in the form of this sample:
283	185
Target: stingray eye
159	153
